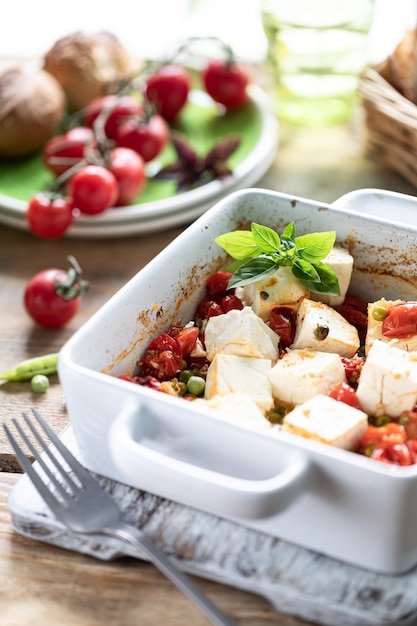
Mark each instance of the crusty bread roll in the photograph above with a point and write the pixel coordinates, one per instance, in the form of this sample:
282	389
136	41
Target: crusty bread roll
400	68
89	66
31	105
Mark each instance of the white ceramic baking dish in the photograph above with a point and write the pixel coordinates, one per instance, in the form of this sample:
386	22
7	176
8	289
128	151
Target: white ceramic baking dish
327	499
382	204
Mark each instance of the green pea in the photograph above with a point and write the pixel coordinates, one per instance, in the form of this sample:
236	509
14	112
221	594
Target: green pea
185	375
196	385
379	313
39	383
26	370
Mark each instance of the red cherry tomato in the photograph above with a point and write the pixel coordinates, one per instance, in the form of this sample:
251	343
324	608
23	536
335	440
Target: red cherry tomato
401	320
93	189
283	321
147	138
63	151
119	108
128	168
163	358
216	284
353	367
167	89
49	218
186	336
231	303
226	83
52	297
208	308
344	393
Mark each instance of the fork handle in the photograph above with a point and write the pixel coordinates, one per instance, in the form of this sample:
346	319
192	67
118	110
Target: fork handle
132	535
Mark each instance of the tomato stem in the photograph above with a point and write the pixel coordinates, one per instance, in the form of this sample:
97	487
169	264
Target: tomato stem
71	284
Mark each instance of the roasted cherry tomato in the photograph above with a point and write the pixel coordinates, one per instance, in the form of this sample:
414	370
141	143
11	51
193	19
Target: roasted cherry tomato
231	303
344	393
216	284
128	168
186	336
283	322
49	217
401	320
119	108
63	151
147	137
208	308
167	89
388	444
93	189
226	83
52	297
353	367
163	358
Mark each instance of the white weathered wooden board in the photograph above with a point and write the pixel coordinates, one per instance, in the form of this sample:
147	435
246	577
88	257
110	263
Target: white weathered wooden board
295	580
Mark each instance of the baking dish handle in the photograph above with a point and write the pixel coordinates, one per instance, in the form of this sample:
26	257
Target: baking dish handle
207	463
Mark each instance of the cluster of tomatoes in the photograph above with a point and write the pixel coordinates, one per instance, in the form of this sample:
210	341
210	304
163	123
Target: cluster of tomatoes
101	161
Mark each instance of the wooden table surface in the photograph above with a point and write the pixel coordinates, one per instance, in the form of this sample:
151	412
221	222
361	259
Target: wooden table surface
45	585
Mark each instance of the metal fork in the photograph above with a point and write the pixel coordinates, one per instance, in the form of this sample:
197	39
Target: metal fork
80	503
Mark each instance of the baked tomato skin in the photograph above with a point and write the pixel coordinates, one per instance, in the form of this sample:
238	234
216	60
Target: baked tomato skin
401	320
345	393
162	358
48	217
167	90
283	322
128	168
186	336
44	305
226	83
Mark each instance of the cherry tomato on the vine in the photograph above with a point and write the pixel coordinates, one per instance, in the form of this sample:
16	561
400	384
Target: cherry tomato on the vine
63	151
119	109
147	137
49	217
128	168
167	89
226	83
93	189
52	297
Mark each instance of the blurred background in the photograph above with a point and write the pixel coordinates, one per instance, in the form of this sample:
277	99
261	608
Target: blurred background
147	29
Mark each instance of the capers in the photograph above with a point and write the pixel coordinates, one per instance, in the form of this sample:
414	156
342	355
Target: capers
321	331
264	295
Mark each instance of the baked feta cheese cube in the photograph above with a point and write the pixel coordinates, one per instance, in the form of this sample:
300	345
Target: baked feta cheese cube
229	373
239	409
280	289
319	327
302	374
327	420
241	333
374	330
341	262
388	381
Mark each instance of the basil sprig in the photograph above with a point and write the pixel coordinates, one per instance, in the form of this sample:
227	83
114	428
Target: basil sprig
259	252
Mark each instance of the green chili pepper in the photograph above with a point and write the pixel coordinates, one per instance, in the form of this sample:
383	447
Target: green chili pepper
39	383
26	370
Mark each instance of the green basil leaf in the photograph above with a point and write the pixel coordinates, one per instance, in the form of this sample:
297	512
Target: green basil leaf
304	270
328	282
289	232
253	270
265	238
239	244
315	246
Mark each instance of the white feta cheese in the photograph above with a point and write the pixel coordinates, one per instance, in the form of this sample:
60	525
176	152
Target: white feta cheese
388	381
327	420
238	374
319	327
239	409
280	289
374	330
341	262
241	333
302	374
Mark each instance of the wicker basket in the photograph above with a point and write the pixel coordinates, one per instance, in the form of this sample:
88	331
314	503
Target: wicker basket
391	122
